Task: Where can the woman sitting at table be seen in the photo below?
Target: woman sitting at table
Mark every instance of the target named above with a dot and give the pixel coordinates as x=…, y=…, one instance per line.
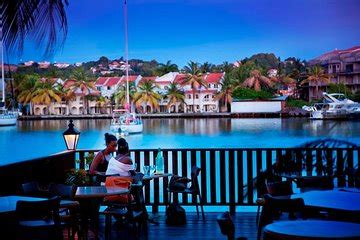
x=102, y=158
x=122, y=163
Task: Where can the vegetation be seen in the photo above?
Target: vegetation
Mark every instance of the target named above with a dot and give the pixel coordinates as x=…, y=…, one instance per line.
x=290, y=102
x=317, y=76
x=175, y=95
x=43, y=21
x=146, y=95
x=193, y=78
x=339, y=88
x=257, y=81
x=247, y=93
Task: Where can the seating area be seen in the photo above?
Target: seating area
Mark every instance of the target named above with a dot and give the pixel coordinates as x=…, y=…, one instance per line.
x=204, y=198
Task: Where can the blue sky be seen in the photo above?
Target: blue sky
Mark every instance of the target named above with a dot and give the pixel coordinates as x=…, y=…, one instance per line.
x=205, y=30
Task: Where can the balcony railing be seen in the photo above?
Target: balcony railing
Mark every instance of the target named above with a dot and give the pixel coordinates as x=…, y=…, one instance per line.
x=228, y=175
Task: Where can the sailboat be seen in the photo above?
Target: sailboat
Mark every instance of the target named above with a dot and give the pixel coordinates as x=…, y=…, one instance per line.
x=7, y=118
x=125, y=121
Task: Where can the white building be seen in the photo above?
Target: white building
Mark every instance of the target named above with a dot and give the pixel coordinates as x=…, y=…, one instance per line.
x=61, y=65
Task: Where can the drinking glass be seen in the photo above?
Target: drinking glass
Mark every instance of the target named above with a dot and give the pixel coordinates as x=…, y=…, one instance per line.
x=146, y=170
x=152, y=169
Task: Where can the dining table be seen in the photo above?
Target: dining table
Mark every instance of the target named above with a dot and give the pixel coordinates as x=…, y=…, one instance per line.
x=8, y=203
x=90, y=198
x=343, y=200
x=311, y=229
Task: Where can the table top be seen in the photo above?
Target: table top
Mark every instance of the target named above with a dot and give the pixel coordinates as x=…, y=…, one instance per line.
x=339, y=199
x=98, y=191
x=156, y=176
x=8, y=203
x=313, y=229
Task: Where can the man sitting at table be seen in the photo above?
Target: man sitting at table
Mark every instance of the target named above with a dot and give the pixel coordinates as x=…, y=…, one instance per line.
x=122, y=164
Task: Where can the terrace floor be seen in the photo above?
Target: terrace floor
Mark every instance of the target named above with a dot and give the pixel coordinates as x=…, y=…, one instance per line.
x=195, y=228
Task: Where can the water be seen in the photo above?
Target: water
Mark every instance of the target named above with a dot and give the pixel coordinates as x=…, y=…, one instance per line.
x=31, y=139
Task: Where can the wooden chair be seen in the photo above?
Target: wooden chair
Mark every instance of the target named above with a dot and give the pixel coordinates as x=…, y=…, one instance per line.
x=133, y=211
x=194, y=190
x=38, y=219
x=314, y=183
x=32, y=189
x=275, y=206
x=227, y=226
x=68, y=214
x=279, y=188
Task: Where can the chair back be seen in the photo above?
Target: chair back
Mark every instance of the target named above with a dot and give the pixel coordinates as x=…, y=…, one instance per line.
x=279, y=188
x=226, y=225
x=39, y=210
x=31, y=189
x=195, y=171
x=284, y=204
x=315, y=182
x=62, y=190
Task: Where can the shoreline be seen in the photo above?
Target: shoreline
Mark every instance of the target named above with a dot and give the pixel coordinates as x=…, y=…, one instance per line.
x=168, y=115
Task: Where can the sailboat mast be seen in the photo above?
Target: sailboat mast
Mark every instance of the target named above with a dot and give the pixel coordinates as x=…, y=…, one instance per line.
x=126, y=54
x=2, y=54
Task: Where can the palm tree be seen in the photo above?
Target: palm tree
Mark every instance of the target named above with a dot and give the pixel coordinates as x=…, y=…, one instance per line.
x=206, y=67
x=194, y=79
x=83, y=83
x=166, y=68
x=26, y=88
x=226, y=67
x=227, y=87
x=175, y=95
x=147, y=95
x=67, y=94
x=102, y=102
x=257, y=80
x=45, y=94
x=316, y=75
x=120, y=94
x=43, y=21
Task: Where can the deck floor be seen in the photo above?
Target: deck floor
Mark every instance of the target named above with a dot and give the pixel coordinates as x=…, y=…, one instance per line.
x=195, y=228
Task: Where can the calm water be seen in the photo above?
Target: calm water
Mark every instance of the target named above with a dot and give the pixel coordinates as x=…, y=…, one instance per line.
x=32, y=139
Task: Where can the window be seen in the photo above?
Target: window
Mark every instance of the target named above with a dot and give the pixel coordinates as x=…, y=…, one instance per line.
x=189, y=96
x=166, y=88
x=108, y=88
x=349, y=68
x=209, y=85
x=196, y=96
x=98, y=88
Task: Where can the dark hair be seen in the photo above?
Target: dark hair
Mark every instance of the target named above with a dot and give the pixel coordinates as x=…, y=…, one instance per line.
x=109, y=138
x=123, y=146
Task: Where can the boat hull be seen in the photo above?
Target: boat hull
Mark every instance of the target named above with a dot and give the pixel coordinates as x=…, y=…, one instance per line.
x=126, y=128
x=8, y=121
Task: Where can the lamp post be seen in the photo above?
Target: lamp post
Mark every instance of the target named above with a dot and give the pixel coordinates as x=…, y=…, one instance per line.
x=71, y=136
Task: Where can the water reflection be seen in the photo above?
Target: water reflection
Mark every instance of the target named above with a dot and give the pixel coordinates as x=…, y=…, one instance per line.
x=31, y=139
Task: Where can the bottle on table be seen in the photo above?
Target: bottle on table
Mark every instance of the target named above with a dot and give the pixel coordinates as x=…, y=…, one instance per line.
x=159, y=162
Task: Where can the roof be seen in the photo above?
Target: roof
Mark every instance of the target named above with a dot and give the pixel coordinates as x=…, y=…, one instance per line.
x=112, y=81
x=101, y=80
x=132, y=78
x=144, y=79
x=350, y=54
x=180, y=78
x=213, y=77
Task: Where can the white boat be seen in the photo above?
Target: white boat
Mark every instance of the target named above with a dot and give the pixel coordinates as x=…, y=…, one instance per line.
x=7, y=118
x=334, y=106
x=124, y=122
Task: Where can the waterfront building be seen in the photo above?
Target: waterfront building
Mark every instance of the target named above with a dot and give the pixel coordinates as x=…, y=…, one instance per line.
x=344, y=67
x=83, y=102
x=61, y=65
x=204, y=97
x=109, y=85
x=44, y=64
